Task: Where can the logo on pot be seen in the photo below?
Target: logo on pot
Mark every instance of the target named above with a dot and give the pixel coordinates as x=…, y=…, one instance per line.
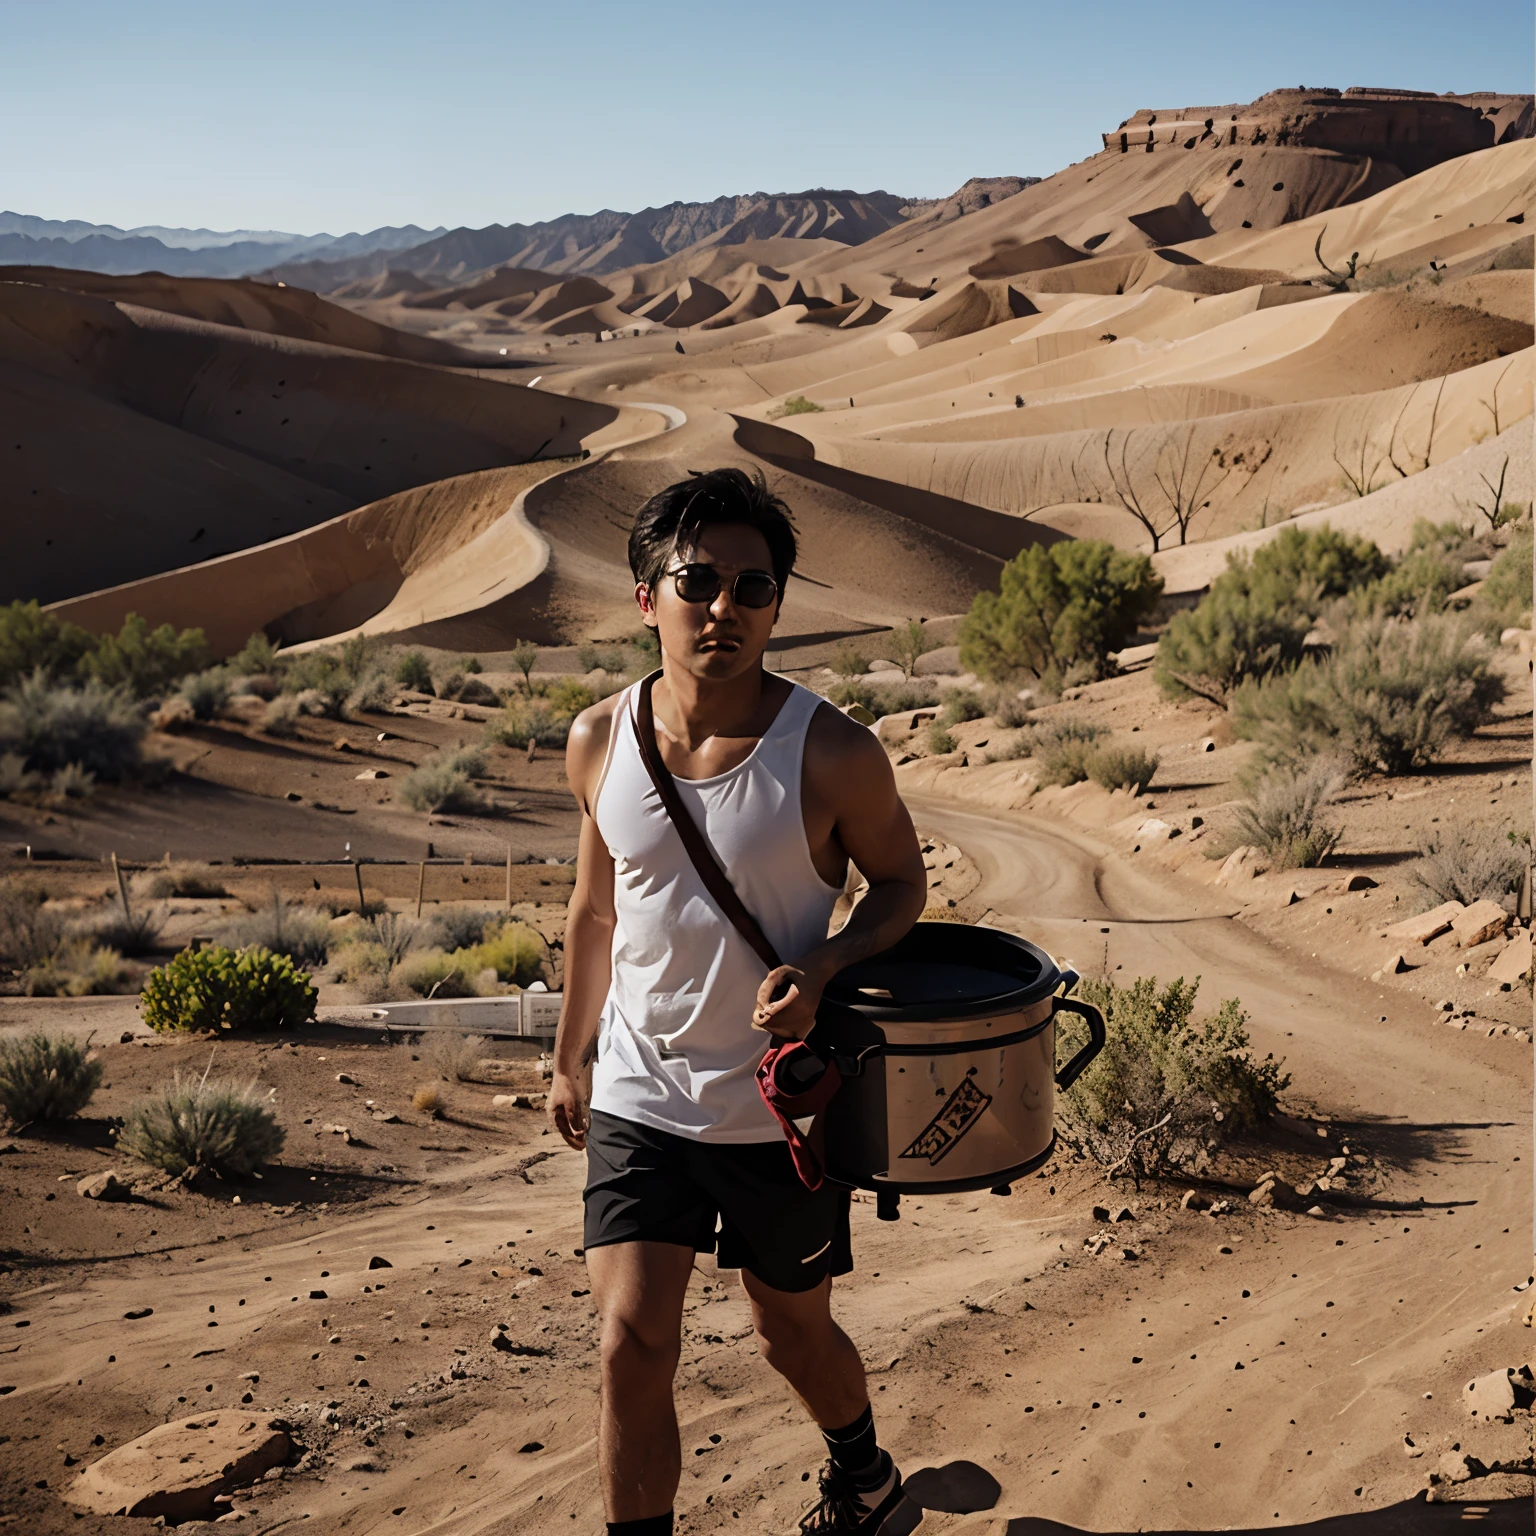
x=962, y=1109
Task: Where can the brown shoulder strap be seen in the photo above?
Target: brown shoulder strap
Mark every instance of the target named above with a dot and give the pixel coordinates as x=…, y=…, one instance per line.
x=716, y=882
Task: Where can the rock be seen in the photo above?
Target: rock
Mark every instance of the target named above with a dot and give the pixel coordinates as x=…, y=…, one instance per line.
x=1496, y=1395
x=1101, y=1213
x=318, y=1296
x=519, y=1100
x=176, y=1469
x=372, y=773
x=139, y=1312
x=293, y=794
x=1427, y=925
x=377, y=1263
x=1206, y=744
x=386, y=1117
x=1316, y=1210
x=857, y=711
x=1241, y=864
x=1193, y=1201
x=126, y=1038
x=1125, y=1213
x=1514, y=960
x=103, y=1186
x=1457, y=1467
x=1352, y=883
x=1155, y=829
x=347, y=1078
x=1394, y=965
x=1410, y=1448
x=343, y=745
x=1482, y=921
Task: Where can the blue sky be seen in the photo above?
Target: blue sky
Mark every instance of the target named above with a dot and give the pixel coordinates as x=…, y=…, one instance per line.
x=339, y=115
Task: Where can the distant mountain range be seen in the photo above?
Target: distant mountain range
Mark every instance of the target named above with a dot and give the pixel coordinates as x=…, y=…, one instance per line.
x=29, y=241
x=573, y=243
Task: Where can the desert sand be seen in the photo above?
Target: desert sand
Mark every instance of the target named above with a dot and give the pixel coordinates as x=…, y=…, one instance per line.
x=1313, y=308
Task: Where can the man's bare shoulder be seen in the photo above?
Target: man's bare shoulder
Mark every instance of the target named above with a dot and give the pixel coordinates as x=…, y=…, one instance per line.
x=837, y=744
x=587, y=745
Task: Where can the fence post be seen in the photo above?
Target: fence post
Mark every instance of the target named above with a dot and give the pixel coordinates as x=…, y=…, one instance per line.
x=122, y=885
x=421, y=885
x=357, y=869
x=509, y=877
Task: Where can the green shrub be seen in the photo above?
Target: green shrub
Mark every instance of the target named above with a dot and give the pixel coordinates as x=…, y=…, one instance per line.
x=849, y=660
x=1505, y=600
x=442, y=782
x=908, y=643
x=515, y=952
x=566, y=698
x=206, y=692
x=940, y=742
x=361, y=962
x=467, y=690
x=798, y=405
x=144, y=661
x=413, y=672
x=961, y=704
x=284, y=927
x=1255, y=619
x=374, y=693
x=256, y=658
x=1469, y=863
x=51, y=725
x=76, y=967
x=1122, y=768
x=1165, y=1092
x=220, y=988
x=1070, y=602
x=1286, y=813
x=222, y=1127
x=1389, y=697
x=601, y=658
x=323, y=681
x=434, y=973
x=45, y=1076
x=32, y=640
x=525, y=657
x=647, y=644
x=528, y=719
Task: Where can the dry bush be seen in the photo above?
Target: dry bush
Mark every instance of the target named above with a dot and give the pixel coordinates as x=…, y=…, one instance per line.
x=285, y=927
x=940, y=742
x=442, y=782
x=880, y=699
x=130, y=930
x=429, y=1099
x=453, y=1055
x=205, y=693
x=395, y=934
x=51, y=725
x=281, y=716
x=848, y=660
x=1472, y=863
x=1286, y=813
x=30, y=931
x=179, y=880
x=1009, y=708
x=45, y=1076
x=461, y=927
x=224, y=1128
x=1065, y=748
x=1165, y=1092
x=960, y=705
x=433, y=973
x=76, y=967
x=1122, y=768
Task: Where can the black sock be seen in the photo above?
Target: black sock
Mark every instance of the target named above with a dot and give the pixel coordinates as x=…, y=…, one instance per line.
x=853, y=1448
x=652, y=1525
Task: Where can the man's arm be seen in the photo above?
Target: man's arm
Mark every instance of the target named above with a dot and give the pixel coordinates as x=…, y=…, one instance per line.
x=846, y=767
x=588, y=937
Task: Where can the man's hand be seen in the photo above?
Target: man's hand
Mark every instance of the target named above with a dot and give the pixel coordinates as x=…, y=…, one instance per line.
x=567, y=1109
x=788, y=999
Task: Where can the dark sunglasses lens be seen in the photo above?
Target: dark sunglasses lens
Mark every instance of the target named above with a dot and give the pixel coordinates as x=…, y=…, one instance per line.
x=756, y=589
x=698, y=584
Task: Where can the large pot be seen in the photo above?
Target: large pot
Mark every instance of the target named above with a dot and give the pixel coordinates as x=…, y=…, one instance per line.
x=947, y=1047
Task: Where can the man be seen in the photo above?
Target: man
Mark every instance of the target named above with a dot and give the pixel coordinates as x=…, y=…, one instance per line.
x=787, y=791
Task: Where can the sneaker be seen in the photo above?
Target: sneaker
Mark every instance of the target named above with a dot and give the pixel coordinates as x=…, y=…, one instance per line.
x=844, y=1507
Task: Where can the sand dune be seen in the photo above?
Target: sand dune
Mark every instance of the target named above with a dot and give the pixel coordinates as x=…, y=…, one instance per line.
x=252, y=306
x=151, y=434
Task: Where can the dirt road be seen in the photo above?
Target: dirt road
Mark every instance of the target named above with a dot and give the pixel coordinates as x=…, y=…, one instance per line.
x=1257, y=1370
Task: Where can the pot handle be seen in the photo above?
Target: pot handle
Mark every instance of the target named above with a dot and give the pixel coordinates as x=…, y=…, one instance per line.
x=1075, y=1068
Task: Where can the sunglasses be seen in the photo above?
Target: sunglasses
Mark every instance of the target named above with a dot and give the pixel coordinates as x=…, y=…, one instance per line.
x=701, y=584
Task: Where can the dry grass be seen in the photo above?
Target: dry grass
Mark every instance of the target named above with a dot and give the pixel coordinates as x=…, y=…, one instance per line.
x=429, y=1099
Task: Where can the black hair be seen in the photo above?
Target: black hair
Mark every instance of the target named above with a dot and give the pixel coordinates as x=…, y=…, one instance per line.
x=673, y=519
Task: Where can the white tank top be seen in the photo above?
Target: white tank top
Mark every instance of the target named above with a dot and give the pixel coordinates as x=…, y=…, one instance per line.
x=676, y=1049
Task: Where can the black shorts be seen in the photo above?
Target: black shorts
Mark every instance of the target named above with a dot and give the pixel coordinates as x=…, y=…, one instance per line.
x=648, y=1186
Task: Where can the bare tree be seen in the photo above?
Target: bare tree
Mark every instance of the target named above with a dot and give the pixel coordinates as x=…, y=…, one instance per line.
x=1493, y=508
x=1181, y=477
x=1360, y=470
x=1492, y=406
x=1338, y=281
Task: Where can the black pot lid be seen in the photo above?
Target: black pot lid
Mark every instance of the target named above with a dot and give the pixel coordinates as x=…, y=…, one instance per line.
x=944, y=971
